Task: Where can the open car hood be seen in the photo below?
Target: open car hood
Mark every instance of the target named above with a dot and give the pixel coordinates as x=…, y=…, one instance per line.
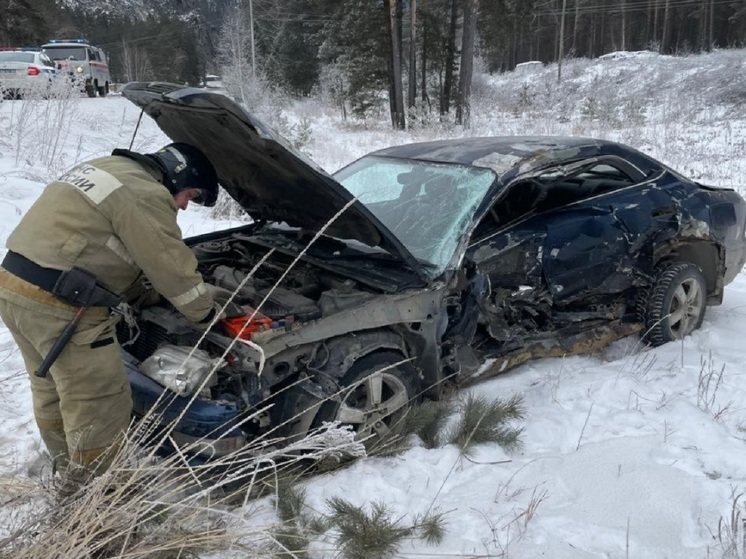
x=258, y=168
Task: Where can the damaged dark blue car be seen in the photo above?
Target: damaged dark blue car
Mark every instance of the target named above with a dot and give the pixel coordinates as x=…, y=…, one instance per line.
x=434, y=257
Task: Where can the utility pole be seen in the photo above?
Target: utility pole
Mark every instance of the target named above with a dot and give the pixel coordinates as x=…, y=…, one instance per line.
x=711, y=36
x=412, y=53
x=561, y=41
x=466, y=69
x=239, y=48
x=253, y=48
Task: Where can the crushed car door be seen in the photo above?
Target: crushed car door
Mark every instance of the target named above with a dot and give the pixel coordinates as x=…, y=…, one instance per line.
x=582, y=252
x=512, y=259
x=508, y=241
x=507, y=245
x=589, y=248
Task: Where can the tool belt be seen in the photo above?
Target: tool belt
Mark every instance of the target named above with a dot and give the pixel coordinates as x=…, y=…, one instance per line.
x=75, y=287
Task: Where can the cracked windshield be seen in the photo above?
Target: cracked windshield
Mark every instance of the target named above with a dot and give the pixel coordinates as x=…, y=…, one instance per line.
x=426, y=205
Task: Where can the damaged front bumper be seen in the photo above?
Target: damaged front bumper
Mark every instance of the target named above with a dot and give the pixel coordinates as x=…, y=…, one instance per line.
x=207, y=429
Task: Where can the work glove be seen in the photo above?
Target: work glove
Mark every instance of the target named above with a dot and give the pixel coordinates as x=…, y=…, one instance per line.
x=222, y=297
x=212, y=317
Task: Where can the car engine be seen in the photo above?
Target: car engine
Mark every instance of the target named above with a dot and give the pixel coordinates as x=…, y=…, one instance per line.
x=262, y=309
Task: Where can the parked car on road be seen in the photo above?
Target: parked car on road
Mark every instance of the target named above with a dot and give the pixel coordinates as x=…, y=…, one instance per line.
x=435, y=257
x=25, y=71
x=212, y=81
x=84, y=65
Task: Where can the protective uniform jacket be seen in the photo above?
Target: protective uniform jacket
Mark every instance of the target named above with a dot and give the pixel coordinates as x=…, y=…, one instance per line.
x=112, y=217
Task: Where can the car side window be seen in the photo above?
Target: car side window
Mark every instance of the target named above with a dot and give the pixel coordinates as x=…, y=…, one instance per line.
x=561, y=189
x=603, y=178
x=552, y=189
x=520, y=199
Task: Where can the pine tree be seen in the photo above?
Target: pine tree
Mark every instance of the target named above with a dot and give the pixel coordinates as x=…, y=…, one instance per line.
x=355, y=45
x=24, y=22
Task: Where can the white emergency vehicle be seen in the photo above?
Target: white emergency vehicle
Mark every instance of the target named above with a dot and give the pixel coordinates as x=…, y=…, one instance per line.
x=85, y=66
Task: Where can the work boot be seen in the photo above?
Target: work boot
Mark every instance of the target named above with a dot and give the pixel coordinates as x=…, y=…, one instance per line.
x=73, y=480
x=56, y=444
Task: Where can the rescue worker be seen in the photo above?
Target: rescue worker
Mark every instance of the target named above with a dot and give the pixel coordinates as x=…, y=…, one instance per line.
x=115, y=218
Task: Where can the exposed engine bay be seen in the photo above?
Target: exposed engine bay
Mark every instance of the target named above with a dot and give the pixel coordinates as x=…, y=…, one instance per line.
x=227, y=364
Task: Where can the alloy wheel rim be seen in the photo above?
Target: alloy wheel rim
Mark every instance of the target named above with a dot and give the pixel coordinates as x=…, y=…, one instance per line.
x=685, y=308
x=374, y=404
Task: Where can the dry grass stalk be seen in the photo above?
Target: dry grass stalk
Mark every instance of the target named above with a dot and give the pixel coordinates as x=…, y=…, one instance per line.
x=731, y=530
x=144, y=508
x=511, y=527
x=708, y=383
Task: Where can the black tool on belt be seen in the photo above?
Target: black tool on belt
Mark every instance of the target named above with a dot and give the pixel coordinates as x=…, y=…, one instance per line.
x=75, y=287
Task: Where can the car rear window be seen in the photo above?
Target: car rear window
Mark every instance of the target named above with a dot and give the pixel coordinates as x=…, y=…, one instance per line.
x=17, y=57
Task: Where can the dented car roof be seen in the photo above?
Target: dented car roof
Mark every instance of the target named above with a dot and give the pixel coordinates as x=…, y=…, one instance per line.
x=511, y=156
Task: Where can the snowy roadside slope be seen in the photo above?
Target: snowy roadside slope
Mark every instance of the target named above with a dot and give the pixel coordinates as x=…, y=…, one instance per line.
x=620, y=449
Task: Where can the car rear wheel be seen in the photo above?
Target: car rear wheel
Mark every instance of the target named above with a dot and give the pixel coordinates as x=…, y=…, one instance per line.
x=675, y=305
x=102, y=91
x=375, y=396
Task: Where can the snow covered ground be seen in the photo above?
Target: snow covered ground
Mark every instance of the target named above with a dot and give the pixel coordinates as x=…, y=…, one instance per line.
x=632, y=452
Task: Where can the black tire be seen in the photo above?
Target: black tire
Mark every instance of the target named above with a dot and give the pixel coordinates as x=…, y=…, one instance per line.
x=376, y=393
x=90, y=90
x=675, y=304
x=102, y=91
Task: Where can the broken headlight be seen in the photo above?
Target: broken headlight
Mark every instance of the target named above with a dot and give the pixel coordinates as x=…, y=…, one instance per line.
x=182, y=370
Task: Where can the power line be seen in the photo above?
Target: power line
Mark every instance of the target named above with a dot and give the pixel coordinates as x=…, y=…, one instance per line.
x=282, y=17
x=299, y=18
x=632, y=6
